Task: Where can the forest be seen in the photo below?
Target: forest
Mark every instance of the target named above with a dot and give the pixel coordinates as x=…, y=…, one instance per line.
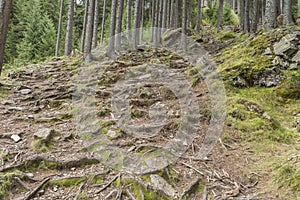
x=149, y=99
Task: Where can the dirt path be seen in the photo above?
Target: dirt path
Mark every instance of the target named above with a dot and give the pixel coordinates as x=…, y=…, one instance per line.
x=39, y=97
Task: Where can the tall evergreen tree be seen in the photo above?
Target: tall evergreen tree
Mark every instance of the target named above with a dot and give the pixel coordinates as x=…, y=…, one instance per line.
x=5, y=9
x=69, y=32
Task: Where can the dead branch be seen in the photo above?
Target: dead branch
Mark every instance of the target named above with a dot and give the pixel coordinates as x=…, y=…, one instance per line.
x=21, y=183
x=109, y=183
x=190, y=188
x=189, y=166
x=33, y=192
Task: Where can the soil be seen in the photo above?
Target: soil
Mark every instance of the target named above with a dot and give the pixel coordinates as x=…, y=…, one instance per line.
x=67, y=169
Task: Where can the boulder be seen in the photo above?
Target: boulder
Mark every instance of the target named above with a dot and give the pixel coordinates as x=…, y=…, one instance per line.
x=280, y=62
x=296, y=58
x=161, y=183
x=287, y=46
x=44, y=134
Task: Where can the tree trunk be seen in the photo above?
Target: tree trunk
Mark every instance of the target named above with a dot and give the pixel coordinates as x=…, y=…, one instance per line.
x=89, y=30
x=59, y=27
x=288, y=16
x=220, y=14
x=142, y=10
x=184, y=25
x=69, y=32
x=103, y=22
x=128, y=20
x=256, y=16
x=239, y=8
x=5, y=10
x=172, y=17
x=136, y=23
x=176, y=23
x=199, y=17
x=270, y=14
x=156, y=29
x=164, y=15
x=233, y=5
x=246, y=17
x=84, y=25
x=152, y=20
x=189, y=14
x=96, y=23
x=119, y=24
x=111, y=41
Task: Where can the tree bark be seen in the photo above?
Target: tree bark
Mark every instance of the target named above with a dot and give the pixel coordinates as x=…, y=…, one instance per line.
x=152, y=19
x=96, y=23
x=176, y=23
x=199, y=17
x=59, y=27
x=184, y=25
x=288, y=16
x=164, y=15
x=69, y=32
x=128, y=20
x=136, y=23
x=5, y=10
x=256, y=16
x=119, y=24
x=189, y=14
x=172, y=17
x=103, y=22
x=84, y=25
x=89, y=30
x=156, y=29
x=141, y=25
x=246, y=17
x=270, y=14
x=220, y=14
x=111, y=41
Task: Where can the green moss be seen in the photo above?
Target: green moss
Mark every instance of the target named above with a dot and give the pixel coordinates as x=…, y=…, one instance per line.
x=5, y=183
x=68, y=182
x=288, y=176
x=290, y=88
x=65, y=116
x=41, y=146
x=227, y=35
x=148, y=194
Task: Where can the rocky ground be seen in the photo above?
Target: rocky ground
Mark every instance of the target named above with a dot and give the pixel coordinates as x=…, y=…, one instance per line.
x=43, y=156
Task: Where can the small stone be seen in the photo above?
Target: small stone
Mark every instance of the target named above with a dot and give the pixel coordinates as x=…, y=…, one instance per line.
x=73, y=168
x=55, y=189
x=30, y=175
x=268, y=51
x=296, y=57
x=30, y=117
x=131, y=149
x=113, y=134
x=44, y=134
x=15, y=138
x=25, y=91
x=16, y=108
x=266, y=116
x=5, y=102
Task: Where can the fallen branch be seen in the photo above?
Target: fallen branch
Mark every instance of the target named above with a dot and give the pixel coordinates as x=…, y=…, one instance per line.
x=189, y=166
x=57, y=164
x=79, y=190
x=109, y=183
x=190, y=188
x=20, y=182
x=33, y=192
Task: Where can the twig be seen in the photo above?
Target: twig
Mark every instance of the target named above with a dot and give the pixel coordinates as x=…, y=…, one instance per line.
x=190, y=188
x=33, y=192
x=142, y=194
x=18, y=180
x=130, y=195
x=196, y=170
x=79, y=190
x=109, y=183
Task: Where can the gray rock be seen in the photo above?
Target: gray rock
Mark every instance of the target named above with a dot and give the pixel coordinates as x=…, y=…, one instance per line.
x=15, y=138
x=266, y=116
x=25, y=91
x=293, y=66
x=278, y=61
x=113, y=134
x=44, y=134
x=16, y=108
x=268, y=52
x=162, y=184
x=296, y=58
x=287, y=46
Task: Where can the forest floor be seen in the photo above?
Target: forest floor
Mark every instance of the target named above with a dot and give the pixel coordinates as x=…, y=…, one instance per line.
x=39, y=98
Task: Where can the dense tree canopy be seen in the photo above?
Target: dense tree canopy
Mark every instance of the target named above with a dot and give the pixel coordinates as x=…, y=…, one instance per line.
x=38, y=26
